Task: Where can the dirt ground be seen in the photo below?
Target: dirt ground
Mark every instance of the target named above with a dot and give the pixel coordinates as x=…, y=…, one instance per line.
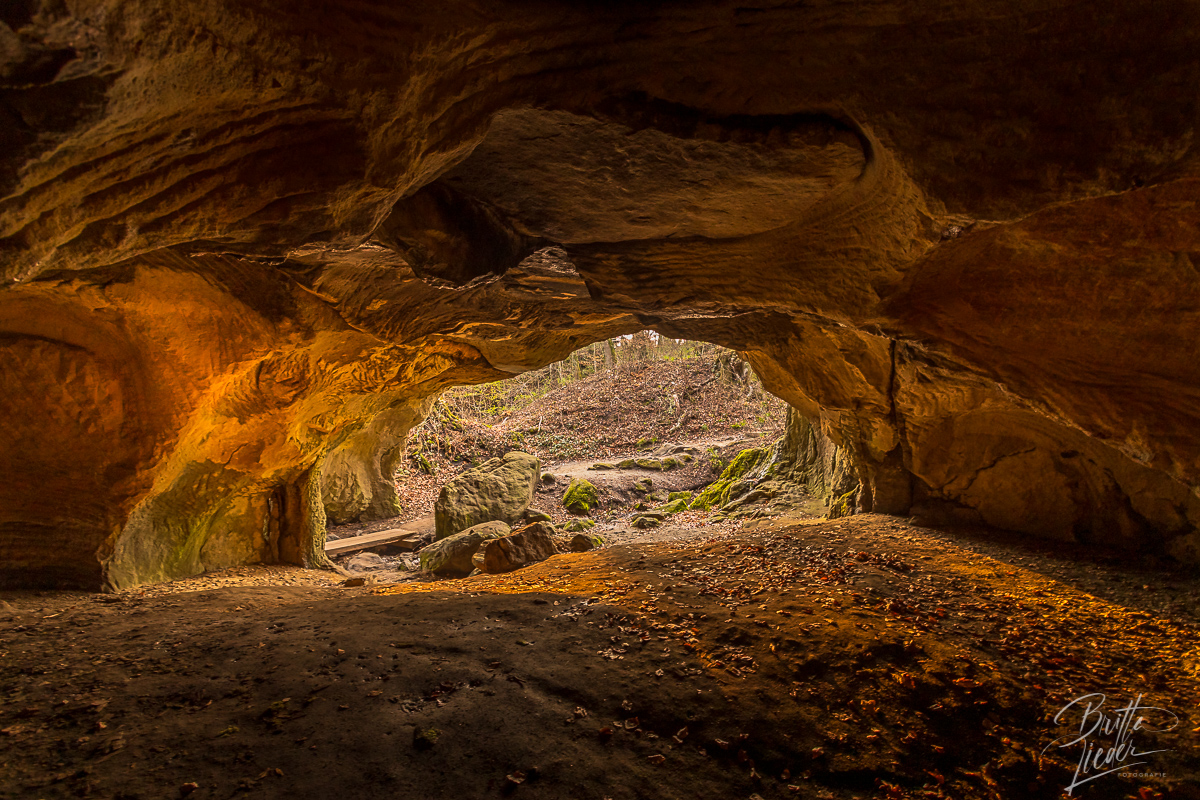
x=620, y=493
x=858, y=658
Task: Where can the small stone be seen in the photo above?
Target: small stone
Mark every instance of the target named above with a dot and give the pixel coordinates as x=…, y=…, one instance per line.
x=583, y=542
x=578, y=525
x=354, y=582
x=425, y=739
x=365, y=561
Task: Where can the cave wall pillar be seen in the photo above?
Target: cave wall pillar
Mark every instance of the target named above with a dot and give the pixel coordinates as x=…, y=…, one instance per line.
x=302, y=521
x=357, y=479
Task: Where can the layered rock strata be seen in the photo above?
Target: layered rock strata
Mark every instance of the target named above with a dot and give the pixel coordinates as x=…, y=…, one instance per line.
x=242, y=240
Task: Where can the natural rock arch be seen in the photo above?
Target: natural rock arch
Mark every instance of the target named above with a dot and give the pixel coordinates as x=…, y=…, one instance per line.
x=232, y=235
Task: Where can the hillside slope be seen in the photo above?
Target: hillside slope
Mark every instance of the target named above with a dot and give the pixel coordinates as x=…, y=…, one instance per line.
x=611, y=414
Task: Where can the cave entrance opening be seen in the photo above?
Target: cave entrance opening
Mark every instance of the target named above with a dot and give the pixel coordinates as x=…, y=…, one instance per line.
x=625, y=436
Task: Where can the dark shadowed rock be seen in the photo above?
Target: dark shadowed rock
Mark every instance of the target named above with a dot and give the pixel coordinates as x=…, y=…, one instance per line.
x=582, y=542
x=526, y=546
x=452, y=555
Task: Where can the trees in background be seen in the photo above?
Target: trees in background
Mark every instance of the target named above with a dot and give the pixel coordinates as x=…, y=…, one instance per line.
x=625, y=353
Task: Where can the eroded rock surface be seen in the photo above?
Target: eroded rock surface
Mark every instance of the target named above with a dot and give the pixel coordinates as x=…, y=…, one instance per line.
x=524, y=546
x=243, y=241
x=498, y=489
x=453, y=554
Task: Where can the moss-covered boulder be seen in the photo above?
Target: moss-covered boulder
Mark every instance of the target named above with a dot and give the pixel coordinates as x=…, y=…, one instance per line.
x=737, y=489
x=649, y=463
x=583, y=542
x=681, y=496
x=647, y=519
x=578, y=525
x=601, y=465
x=674, y=507
x=498, y=489
x=733, y=480
x=452, y=555
x=644, y=486
x=580, y=497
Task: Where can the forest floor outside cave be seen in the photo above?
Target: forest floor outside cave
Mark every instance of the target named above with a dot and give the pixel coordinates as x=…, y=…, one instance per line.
x=684, y=393
x=862, y=657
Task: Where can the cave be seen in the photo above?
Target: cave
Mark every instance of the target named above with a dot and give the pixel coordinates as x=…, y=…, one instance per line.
x=244, y=246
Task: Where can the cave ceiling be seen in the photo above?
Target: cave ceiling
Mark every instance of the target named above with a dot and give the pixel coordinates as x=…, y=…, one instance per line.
x=236, y=237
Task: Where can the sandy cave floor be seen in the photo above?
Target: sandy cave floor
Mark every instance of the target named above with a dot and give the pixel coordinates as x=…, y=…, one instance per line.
x=863, y=657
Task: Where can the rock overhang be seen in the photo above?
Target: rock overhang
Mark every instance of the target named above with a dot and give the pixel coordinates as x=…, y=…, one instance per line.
x=253, y=235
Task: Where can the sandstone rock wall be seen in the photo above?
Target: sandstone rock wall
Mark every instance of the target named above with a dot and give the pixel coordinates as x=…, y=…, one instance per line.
x=358, y=478
x=963, y=239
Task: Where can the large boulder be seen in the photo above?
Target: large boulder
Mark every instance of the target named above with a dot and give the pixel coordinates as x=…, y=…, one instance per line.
x=526, y=546
x=498, y=489
x=452, y=555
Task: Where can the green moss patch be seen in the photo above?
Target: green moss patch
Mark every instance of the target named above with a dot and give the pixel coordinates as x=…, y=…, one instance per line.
x=843, y=506
x=717, y=493
x=580, y=496
x=674, y=507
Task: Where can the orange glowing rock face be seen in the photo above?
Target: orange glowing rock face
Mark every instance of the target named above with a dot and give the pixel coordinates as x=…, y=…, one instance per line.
x=979, y=284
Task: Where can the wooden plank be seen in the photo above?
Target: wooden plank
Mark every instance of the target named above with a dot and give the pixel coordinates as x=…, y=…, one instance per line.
x=337, y=547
